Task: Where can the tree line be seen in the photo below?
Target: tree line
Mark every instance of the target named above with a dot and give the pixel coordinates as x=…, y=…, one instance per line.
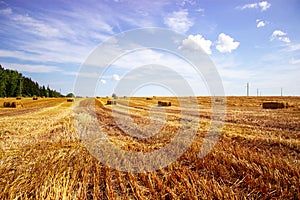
x=13, y=84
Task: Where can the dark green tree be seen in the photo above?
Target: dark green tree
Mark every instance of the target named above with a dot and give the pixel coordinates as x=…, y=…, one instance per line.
x=70, y=95
x=13, y=84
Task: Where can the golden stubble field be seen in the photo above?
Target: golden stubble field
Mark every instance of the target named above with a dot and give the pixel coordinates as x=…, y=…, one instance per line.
x=256, y=157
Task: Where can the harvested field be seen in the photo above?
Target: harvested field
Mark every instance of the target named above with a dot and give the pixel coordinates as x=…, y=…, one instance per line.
x=256, y=157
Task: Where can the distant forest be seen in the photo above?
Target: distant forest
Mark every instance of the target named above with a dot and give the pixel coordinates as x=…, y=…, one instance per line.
x=13, y=84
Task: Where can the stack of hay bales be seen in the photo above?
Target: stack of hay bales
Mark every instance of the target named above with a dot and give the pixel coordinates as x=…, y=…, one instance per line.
x=148, y=98
x=111, y=102
x=70, y=100
x=273, y=105
x=14, y=104
x=164, y=103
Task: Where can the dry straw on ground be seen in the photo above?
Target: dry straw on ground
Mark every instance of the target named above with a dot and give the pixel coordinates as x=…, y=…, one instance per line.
x=257, y=156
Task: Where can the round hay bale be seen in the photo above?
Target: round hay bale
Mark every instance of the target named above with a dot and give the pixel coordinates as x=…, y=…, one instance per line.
x=15, y=104
x=6, y=104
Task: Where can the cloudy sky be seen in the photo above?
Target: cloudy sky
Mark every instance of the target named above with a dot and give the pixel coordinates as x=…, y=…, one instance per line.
x=248, y=41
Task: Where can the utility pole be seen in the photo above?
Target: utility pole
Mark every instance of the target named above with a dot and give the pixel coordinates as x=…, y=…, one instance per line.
x=257, y=91
x=247, y=89
x=281, y=91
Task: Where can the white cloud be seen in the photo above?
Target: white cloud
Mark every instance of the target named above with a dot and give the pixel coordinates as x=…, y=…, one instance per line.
x=6, y=11
x=31, y=68
x=30, y=25
x=280, y=35
x=64, y=40
x=103, y=81
x=185, y=2
x=263, y=5
x=292, y=48
x=284, y=39
x=226, y=43
x=196, y=42
x=82, y=74
x=252, y=5
x=116, y=77
x=200, y=10
x=179, y=21
x=260, y=23
x=145, y=57
x=294, y=61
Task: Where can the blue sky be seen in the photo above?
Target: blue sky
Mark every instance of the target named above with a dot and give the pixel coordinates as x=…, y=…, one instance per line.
x=248, y=41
